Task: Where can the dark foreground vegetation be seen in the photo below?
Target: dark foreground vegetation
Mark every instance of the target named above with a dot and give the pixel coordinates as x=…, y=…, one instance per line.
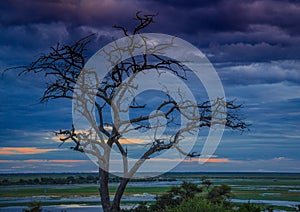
x=193, y=197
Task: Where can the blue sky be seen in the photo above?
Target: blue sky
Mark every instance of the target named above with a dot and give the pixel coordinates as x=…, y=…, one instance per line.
x=253, y=45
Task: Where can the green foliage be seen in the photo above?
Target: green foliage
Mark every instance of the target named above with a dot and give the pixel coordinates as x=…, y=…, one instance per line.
x=188, y=190
x=188, y=197
x=204, y=205
x=249, y=207
x=176, y=195
x=206, y=182
x=197, y=204
x=219, y=194
x=165, y=200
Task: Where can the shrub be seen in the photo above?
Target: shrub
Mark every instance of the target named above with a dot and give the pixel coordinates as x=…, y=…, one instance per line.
x=197, y=204
x=249, y=207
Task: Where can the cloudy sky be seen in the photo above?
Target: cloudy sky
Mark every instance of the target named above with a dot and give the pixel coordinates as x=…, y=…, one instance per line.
x=254, y=46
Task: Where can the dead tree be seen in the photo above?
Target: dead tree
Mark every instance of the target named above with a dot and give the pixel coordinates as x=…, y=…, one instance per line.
x=63, y=66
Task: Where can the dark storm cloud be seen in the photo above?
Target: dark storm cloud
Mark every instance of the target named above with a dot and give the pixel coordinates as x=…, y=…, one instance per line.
x=230, y=15
x=216, y=16
x=237, y=31
x=247, y=35
x=183, y=3
x=262, y=30
x=31, y=27
x=79, y=12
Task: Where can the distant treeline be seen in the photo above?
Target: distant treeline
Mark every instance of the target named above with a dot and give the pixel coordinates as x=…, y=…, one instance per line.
x=77, y=179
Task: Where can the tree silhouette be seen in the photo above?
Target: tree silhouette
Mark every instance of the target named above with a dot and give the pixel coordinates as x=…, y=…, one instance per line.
x=63, y=66
x=175, y=196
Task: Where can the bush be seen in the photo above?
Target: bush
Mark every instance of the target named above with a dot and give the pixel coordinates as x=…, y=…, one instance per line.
x=175, y=196
x=249, y=207
x=219, y=194
x=197, y=204
x=188, y=197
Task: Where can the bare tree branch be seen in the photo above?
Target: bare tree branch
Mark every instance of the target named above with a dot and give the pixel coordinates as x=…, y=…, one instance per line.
x=62, y=67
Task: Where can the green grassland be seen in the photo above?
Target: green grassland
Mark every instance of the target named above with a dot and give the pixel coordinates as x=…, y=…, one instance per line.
x=78, y=192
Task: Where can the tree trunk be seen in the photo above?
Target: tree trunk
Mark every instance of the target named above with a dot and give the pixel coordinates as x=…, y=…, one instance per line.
x=115, y=207
x=104, y=193
x=103, y=190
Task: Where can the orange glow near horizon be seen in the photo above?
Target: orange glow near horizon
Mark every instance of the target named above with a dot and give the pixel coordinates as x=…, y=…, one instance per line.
x=134, y=141
x=23, y=150
x=214, y=160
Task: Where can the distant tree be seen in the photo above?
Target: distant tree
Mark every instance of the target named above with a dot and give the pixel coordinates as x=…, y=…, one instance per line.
x=21, y=181
x=175, y=196
x=63, y=65
x=36, y=181
x=219, y=194
x=186, y=190
x=206, y=182
x=5, y=182
x=70, y=179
